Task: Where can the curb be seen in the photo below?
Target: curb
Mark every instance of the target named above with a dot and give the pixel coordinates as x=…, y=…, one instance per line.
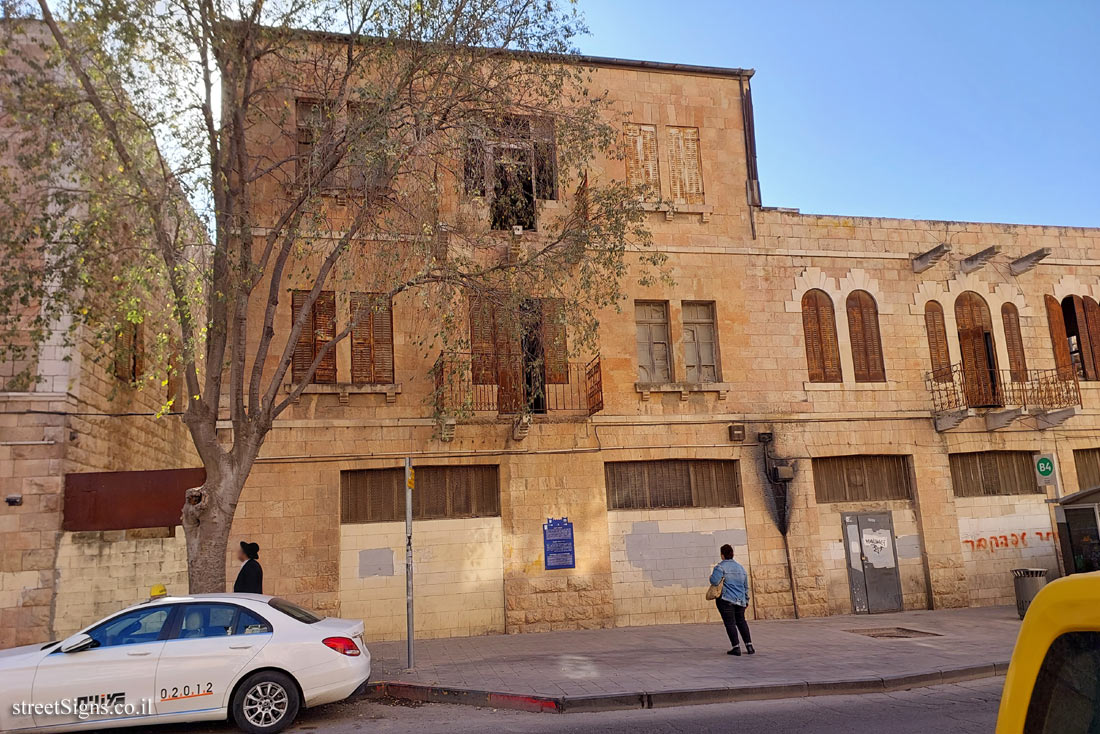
x=676, y=697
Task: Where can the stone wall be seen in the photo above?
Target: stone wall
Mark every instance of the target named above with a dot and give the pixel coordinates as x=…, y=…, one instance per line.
x=100, y=572
x=911, y=572
x=1000, y=534
x=458, y=579
x=661, y=561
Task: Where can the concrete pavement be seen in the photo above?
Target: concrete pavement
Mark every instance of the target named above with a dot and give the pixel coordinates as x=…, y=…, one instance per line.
x=652, y=667
x=960, y=708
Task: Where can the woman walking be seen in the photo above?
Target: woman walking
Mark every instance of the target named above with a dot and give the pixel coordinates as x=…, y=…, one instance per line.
x=733, y=599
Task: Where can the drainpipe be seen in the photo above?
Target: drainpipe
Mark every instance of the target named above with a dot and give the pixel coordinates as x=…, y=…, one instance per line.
x=779, y=473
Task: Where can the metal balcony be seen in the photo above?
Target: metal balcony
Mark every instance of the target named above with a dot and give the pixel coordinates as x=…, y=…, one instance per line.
x=468, y=385
x=1050, y=395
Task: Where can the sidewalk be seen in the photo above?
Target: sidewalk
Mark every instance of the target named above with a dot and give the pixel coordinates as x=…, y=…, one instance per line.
x=669, y=665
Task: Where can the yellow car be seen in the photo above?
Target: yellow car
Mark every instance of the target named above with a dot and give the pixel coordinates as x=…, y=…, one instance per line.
x=1053, y=681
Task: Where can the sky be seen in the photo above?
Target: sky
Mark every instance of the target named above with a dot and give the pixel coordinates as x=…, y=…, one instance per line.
x=975, y=110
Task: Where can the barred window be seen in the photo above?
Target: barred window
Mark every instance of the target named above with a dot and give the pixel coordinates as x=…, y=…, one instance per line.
x=862, y=478
x=643, y=485
x=992, y=473
x=442, y=492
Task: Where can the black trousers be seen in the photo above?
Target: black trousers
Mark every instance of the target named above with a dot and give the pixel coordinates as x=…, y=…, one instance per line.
x=733, y=617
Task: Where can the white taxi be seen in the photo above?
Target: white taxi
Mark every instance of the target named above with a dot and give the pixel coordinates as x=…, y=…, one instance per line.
x=254, y=658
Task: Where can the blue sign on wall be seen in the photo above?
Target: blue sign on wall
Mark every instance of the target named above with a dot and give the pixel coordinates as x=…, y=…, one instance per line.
x=557, y=540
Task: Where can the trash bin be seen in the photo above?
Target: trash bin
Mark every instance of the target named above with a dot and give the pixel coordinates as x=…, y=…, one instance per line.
x=1027, y=581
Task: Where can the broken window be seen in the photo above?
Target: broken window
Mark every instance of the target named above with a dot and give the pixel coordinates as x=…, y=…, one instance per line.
x=515, y=163
x=651, y=319
x=700, y=342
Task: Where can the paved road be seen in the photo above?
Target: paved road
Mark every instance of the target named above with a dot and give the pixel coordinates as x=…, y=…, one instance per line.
x=961, y=708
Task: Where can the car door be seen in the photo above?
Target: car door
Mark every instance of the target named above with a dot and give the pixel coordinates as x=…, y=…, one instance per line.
x=112, y=679
x=209, y=645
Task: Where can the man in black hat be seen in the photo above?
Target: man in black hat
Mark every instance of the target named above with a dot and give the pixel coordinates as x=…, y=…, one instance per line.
x=250, y=579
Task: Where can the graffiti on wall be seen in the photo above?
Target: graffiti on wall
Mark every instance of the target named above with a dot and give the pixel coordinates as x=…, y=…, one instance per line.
x=993, y=543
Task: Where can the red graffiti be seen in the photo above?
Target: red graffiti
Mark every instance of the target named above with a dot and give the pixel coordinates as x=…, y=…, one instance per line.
x=1014, y=540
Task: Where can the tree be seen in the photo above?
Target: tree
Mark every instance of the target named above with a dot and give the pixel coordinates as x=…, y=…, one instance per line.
x=316, y=142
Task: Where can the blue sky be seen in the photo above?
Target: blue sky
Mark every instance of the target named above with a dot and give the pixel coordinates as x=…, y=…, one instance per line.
x=968, y=110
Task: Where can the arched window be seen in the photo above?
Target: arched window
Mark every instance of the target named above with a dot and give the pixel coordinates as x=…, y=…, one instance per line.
x=866, y=341
x=1081, y=327
x=937, y=341
x=981, y=381
x=1014, y=341
x=1059, y=340
x=819, y=325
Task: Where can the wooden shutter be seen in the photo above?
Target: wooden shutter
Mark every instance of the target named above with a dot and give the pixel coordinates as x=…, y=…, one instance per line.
x=1088, y=362
x=686, y=177
x=554, y=346
x=1092, y=319
x=819, y=327
x=937, y=341
x=1063, y=360
x=324, y=331
x=1014, y=341
x=511, y=394
x=641, y=158
x=303, y=349
x=371, y=340
x=866, y=340
x=1087, y=462
x=482, y=341
x=974, y=322
x=862, y=478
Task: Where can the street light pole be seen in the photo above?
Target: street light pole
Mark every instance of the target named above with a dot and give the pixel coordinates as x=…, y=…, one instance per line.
x=410, y=481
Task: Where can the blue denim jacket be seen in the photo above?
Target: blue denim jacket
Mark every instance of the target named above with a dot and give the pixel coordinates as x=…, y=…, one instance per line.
x=735, y=588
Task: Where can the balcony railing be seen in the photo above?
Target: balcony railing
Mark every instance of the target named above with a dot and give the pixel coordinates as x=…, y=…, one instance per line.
x=467, y=384
x=956, y=389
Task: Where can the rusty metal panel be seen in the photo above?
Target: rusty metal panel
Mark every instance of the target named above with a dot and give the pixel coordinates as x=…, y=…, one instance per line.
x=127, y=499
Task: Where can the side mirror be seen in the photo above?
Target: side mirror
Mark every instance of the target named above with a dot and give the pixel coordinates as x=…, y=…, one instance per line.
x=76, y=643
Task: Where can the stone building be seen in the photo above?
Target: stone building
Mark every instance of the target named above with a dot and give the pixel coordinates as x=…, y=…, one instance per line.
x=908, y=372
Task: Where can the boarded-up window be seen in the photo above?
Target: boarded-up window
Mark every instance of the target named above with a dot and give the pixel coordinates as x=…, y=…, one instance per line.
x=992, y=473
x=371, y=339
x=442, y=492
x=862, y=478
x=866, y=340
x=819, y=326
x=937, y=341
x=684, y=165
x=129, y=351
x=700, y=342
x=1063, y=360
x=1087, y=462
x=1014, y=341
x=654, y=364
x=641, y=158
x=319, y=329
x=642, y=485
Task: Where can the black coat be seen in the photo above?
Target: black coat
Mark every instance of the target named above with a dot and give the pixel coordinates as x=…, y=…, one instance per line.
x=250, y=580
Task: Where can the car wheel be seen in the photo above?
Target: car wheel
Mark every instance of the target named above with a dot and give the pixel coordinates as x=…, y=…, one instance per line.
x=265, y=703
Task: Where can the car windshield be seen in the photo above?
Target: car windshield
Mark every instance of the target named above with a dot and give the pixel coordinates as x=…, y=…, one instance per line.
x=294, y=611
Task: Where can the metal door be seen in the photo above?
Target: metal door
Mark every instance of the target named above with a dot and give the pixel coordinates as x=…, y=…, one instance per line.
x=872, y=562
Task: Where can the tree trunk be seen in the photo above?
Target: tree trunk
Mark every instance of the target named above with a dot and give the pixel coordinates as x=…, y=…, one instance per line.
x=206, y=524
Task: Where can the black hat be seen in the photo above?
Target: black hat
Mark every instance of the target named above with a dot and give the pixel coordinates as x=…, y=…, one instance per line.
x=252, y=550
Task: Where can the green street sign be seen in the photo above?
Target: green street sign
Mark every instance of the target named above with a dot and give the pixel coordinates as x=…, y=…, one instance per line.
x=1044, y=469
